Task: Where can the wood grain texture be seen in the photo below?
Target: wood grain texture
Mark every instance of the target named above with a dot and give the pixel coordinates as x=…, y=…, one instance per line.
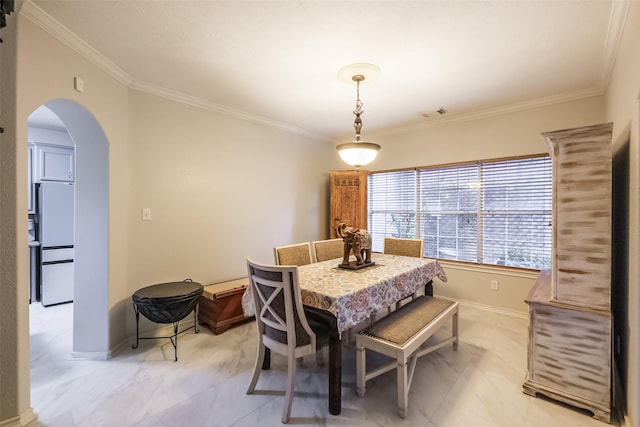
x=572, y=351
x=581, y=270
x=570, y=357
x=569, y=352
x=348, y=199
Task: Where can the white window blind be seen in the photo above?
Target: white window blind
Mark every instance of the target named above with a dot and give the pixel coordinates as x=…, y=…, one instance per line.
x=494, y=212
x=449, y=212
x=392, y=206
x=516, y=212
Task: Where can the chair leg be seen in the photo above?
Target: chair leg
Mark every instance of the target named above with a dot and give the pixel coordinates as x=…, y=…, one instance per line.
x=288, y=397
x=257, y=368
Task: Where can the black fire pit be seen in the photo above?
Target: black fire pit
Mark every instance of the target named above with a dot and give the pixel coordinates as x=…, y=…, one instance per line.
x=168, y=303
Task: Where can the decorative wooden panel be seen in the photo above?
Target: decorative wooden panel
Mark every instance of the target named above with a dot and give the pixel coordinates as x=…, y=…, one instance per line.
x=348, y=199
x=581, y=271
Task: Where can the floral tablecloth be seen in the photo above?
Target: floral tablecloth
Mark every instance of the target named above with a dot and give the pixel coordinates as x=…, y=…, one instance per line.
x=354, y=295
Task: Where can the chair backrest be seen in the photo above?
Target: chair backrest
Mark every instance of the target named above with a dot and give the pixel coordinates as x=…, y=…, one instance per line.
x=298, y=254
x=406, y=247
x=328, y=249
x=282, y=324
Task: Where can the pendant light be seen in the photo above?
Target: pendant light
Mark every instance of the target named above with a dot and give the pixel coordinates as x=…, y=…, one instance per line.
x=358, y=153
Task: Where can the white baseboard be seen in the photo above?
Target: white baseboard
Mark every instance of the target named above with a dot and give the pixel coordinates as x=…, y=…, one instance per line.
x=162, y=331
x=21, y=420
x=90, y=355
x=498, y=310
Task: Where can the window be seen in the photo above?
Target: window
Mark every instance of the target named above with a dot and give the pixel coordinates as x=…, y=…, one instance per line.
x=495, y=212
x=392, y=206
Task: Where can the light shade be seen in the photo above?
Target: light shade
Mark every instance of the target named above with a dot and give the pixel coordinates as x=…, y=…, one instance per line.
x=358, y=154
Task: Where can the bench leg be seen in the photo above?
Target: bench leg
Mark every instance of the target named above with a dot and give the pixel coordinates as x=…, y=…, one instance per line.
x=403, y=388
x=361, y=369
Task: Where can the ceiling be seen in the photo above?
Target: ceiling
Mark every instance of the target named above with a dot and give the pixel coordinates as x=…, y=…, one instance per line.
x=277, y=62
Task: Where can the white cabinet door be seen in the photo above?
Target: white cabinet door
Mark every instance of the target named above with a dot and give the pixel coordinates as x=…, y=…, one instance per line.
x=55, y=163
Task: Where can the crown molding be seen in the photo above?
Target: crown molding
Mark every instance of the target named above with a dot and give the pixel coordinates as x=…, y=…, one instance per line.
x=497, y=111
x=173, y=95
x=45, y=21
x=615, y=30
x=617, y=19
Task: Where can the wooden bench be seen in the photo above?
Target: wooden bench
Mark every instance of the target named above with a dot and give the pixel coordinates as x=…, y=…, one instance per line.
x=221, y=304
x=402, y=335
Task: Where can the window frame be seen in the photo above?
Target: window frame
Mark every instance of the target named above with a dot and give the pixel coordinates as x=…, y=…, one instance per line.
x=541, y=259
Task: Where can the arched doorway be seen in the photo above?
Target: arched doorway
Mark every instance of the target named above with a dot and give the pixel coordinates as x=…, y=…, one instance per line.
x=91, y=302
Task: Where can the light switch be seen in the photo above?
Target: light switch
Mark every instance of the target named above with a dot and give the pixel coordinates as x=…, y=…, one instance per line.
x=146, y=214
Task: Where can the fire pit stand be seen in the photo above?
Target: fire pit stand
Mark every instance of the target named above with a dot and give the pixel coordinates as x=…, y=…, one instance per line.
x=167, y=303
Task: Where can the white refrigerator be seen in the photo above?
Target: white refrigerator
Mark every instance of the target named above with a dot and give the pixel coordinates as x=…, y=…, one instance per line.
x=55, y=211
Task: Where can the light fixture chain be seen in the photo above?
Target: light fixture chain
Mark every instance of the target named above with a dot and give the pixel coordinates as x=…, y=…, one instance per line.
x=358, y=153
x=357, y=124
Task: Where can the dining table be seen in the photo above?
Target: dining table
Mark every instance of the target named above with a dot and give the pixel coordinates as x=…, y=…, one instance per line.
x=344, y=298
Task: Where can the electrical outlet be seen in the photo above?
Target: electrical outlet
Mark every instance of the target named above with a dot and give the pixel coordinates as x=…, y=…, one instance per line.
x=146, y=214
x=494, y=285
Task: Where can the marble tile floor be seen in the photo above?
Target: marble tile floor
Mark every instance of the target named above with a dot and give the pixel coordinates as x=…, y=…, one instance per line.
x=479, y=385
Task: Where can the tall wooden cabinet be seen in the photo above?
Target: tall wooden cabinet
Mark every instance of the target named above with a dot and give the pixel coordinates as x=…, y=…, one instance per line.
x=347, y=199
x=570, y=320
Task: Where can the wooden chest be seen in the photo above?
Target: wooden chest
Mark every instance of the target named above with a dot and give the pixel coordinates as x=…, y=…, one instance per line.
x=221, y=304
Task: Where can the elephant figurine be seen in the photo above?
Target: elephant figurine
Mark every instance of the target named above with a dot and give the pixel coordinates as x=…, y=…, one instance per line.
x=357, y=241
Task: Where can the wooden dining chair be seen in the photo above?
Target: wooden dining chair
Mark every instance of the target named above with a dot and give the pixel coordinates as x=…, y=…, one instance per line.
x=283, y=326
x=327, y=249
x=298, y=254
x=404, y=247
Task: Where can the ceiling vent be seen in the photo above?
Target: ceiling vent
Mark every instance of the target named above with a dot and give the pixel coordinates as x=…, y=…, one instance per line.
x=439, y=112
